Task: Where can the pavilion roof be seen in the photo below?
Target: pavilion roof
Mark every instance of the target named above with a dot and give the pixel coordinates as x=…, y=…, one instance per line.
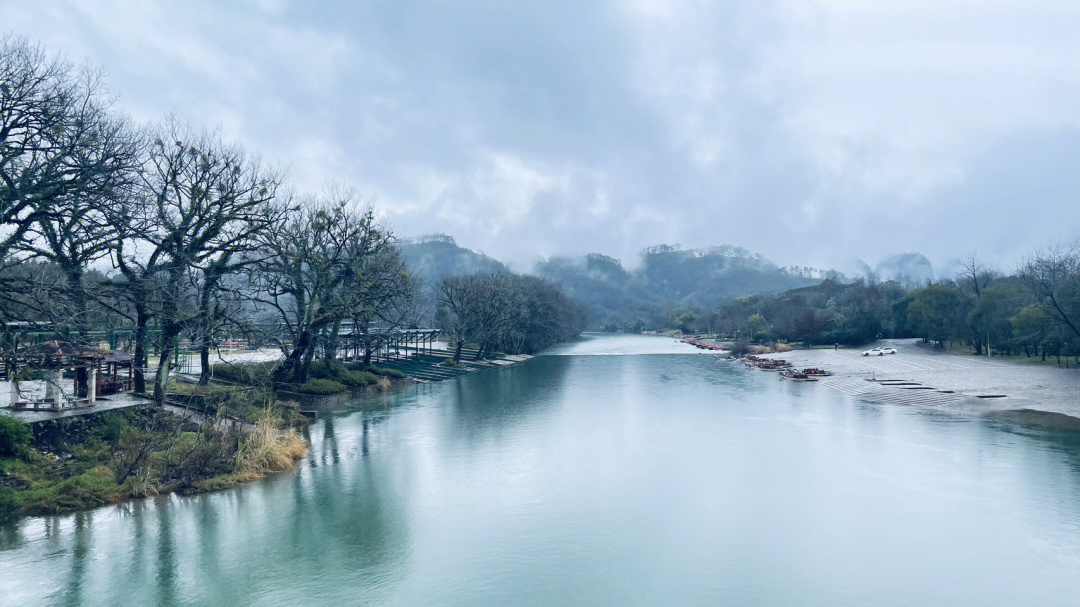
x=59, y=353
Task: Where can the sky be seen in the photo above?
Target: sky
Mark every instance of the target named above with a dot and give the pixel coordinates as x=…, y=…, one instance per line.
x=812, y=132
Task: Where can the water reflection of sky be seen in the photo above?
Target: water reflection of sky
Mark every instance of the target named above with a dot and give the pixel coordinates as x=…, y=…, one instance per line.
x=600, y=480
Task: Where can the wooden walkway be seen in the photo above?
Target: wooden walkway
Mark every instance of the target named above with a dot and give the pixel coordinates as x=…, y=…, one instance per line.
x=104, y=403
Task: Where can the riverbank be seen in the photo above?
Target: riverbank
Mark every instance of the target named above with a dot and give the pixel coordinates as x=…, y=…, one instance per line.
x=69, y=464
x=588, y=476
x=210, y=437
x=921, y=374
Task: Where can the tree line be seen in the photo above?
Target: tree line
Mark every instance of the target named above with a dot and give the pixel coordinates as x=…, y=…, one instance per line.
x=1034, y=311
x=505, y=312
x=172, y=233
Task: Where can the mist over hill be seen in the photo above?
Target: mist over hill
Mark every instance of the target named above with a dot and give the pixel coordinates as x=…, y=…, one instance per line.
x=906, y=268
x=670, y=277
x=434, y=257
x=666, y=277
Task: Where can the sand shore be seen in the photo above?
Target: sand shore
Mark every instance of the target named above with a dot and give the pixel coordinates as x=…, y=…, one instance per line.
x=944, y=379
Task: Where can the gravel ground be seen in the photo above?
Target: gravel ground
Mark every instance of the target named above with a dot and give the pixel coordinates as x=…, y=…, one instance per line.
x=956, y=380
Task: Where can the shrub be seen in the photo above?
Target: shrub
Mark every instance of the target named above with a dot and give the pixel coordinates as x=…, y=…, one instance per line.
x=266, y=449
x=740, y=348
x=248, y=374
x=327, y=369
x=10, y=503
x=391, y=373
x=335, y=370
x=14, y=437
x=320, y=387
x=361, y=378
x=111, y=426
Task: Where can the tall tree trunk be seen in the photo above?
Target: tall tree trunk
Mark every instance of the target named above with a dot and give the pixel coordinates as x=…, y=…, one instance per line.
x=170, y=333
x=305, y=364
x=367, y=348
x=331, y=341
x=140, y=359
x=162, y=375
x=78, y=301
x=205, y=329
x=79, y=320
x=457, y=350
x=294, y=363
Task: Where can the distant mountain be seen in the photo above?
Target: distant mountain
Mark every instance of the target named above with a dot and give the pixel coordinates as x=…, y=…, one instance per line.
x=906, y=268
x=604, y=285
x=711, y=276
x=434, y=257
x=671, y=276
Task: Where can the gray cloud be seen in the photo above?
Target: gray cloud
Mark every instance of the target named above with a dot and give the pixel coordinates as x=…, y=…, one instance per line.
x=811, y=132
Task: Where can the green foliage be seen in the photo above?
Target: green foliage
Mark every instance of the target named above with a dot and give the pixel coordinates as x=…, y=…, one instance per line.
x=335, y=370
x=155, y=453
x=830, y=312
x=321, y=387
x=935, y=312
x=245, y=373
x=685, y=321
x=14, y=437
x=10, y=503
x=391, y=373
x=111, y=426
x=758, y=326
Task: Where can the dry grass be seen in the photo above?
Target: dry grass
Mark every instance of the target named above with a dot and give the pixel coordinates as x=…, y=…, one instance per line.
x=266, y=449
x=775, y=347
x=383, y=384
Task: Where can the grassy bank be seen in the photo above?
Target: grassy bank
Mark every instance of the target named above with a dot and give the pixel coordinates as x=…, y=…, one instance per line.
x=325, y=377
x=83, y=462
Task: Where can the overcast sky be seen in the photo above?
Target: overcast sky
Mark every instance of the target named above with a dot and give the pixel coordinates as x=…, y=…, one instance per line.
x=812, y=132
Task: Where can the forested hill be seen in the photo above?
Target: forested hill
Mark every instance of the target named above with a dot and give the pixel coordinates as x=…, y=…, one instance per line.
x=612, y=294
x=668, y=277
x=437, y=256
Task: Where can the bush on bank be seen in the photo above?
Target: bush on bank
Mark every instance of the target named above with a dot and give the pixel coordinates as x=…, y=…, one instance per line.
x=14, y=437
x=351, y=375
x=321, y=387
x=133, y=453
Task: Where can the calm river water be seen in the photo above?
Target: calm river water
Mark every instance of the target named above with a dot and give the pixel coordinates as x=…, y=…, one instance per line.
x=670, y=478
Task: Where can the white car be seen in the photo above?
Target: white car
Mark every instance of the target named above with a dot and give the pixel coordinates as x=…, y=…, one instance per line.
x=880, y=351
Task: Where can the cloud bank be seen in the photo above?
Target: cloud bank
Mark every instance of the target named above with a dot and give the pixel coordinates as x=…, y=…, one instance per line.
x=813, y=132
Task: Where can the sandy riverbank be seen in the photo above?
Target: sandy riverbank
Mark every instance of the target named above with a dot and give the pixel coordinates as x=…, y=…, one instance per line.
x=945, y=379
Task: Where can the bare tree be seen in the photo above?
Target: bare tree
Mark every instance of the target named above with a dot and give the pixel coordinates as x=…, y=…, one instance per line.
x=198, y=201
x=971, y=282
x=1054, y=280
x=62, y=154
x=456, y=310
x=313, y=271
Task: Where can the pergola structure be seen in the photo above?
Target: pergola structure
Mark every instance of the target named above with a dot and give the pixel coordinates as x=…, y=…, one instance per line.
x=386, y=344
x=95, y=371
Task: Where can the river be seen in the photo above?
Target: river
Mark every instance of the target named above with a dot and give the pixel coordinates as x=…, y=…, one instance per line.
x=620, y=470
